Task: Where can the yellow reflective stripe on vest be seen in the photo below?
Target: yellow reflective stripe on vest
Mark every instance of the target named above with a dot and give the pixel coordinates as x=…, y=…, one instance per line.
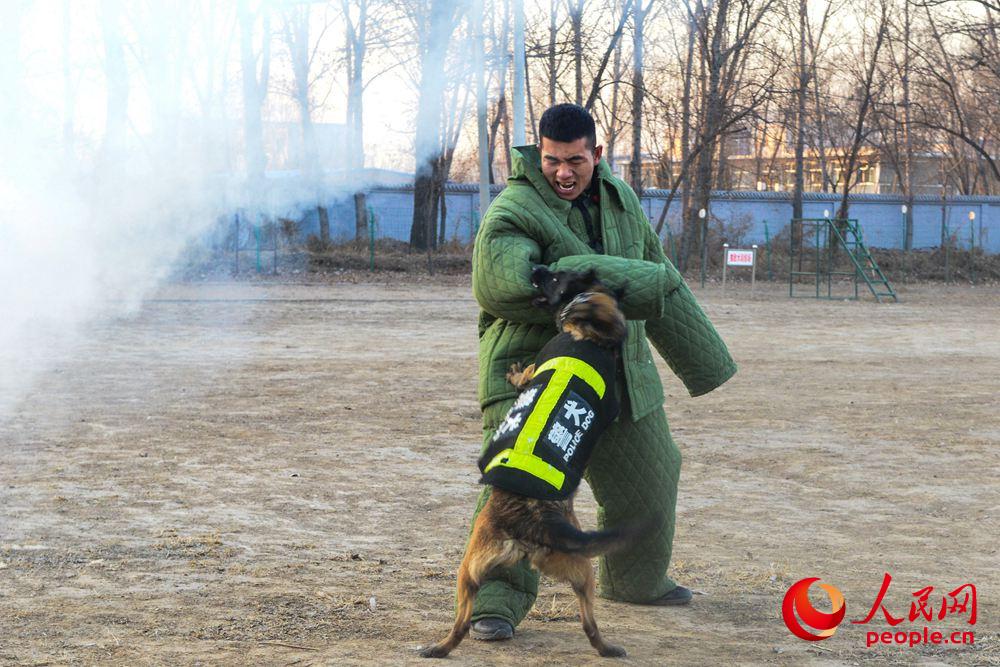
x=529, y=463
x=577, y=367
x=522, y=455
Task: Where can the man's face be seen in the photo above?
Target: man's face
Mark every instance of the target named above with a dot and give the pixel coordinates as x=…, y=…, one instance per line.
x=569, y=166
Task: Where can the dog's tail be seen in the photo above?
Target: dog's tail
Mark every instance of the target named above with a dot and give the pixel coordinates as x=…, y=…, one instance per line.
x=567, y=538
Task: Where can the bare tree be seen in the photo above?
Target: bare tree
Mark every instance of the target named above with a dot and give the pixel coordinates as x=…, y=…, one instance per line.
x=610, y=120
x=575, y=10
x=455, y=114
x=867, y=87
x=727, y=31
x=817, y=139
x=801, y=94
x=116, y=72
x=954, y=84
x=302, y=52
x=553, y=34
x=256, y=67
x=370, y=27
x=209, y=78
x=638, y=89
x=355, y=15
x=688, y=153
x=614, y=47
x=501, y=65
x=435, y=25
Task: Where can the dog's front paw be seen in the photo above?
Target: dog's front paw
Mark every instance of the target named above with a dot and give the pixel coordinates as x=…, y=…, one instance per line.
x=436, y=651
x=612, y=651
x=520, y=377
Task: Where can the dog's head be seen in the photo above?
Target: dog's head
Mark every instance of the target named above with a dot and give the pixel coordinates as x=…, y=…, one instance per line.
x=560, y=287
x=582, y=304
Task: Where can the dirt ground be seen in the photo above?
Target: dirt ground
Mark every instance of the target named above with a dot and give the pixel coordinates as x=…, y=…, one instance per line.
x=283, y=474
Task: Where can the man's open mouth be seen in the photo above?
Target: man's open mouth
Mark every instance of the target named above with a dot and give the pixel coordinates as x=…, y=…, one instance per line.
x=566, y=187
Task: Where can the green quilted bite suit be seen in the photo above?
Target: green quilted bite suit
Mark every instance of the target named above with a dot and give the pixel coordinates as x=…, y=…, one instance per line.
x=635, y=466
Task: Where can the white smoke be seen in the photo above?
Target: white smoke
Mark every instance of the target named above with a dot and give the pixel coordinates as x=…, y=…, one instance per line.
x=121, y=141
x=88, y=225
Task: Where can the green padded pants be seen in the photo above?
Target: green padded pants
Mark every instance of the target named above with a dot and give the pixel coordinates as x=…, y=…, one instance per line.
x=633, y=473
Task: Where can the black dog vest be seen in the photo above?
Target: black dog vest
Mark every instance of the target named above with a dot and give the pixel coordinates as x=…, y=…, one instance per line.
x=543, y=445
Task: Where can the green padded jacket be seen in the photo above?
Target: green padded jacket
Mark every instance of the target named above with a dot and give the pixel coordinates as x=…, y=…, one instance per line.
x=527, y=225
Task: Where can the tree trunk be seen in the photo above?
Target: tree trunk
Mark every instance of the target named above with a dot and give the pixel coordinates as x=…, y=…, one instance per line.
x=553, y=28
x=501, y=111
x=615, y=88
x=427, y=142
x=576, y=20
x=254, y=90
x=638, y=89
x=360, y=216
x=519, y=66
x=476, y=21
x=685, y=141
x=505, y=125
x=531, y=104
x=498, y=118
x=800, y=117
x=443, y=225
x=906, y=182
x=296, y=30
x=696, y=231
x=826, y=182
x=116, y=71
x=356, y=47
x=614, y=46
x=859, y=126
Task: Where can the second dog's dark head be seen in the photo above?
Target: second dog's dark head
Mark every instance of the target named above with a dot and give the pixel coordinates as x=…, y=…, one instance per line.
x=583, y=305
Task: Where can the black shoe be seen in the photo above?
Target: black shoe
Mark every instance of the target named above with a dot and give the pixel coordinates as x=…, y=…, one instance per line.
x=674, y=598
x=491, y=629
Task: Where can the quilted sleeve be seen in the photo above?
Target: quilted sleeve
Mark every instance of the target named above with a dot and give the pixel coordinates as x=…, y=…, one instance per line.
x=501, y=276
x=644, y=284
x=684, y=336
x=501, y=273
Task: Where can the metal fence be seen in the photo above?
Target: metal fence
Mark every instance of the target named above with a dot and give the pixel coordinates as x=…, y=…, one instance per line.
x=954, y=238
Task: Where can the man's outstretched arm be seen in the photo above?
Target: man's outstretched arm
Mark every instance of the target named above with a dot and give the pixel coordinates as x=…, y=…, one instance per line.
x=501, y=276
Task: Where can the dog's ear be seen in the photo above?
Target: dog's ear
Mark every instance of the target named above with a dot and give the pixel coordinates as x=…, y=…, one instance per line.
x=539, y=274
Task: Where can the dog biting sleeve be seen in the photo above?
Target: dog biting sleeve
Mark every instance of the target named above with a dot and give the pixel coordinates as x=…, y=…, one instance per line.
x=644, y=283
x=542, y=446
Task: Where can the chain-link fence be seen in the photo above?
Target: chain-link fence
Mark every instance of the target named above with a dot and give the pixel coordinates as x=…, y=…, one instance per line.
x=956, y=238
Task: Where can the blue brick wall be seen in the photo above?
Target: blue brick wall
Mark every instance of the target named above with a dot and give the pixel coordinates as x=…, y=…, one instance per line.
x=880, y=215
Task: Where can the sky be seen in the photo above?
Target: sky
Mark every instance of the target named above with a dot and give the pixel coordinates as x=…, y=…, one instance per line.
x=390, y=98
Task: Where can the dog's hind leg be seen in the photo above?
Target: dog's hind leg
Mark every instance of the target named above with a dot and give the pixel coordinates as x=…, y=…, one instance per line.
x=486, y=550
x=577, y=570
x=466, y=595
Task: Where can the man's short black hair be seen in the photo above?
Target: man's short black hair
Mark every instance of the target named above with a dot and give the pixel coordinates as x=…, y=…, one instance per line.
x=566, y=123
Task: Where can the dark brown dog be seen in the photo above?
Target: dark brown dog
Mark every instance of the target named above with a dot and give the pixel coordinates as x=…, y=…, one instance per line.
x=511, y=526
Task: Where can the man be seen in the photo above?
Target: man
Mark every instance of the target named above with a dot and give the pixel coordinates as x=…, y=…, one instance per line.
x=562, y=207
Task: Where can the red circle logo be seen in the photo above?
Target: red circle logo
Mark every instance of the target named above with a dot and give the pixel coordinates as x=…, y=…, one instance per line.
x=797, y=602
